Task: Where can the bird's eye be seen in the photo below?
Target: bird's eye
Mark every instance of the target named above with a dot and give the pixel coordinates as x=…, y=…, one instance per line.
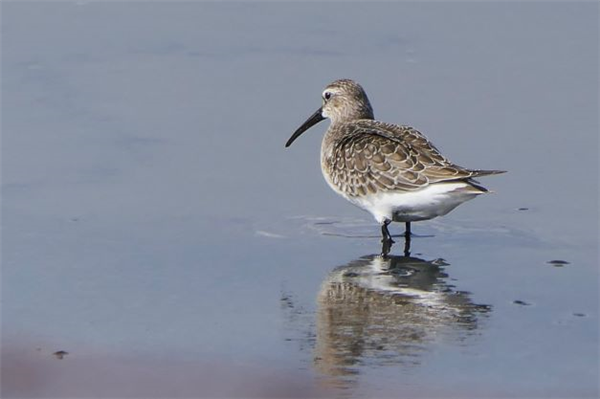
x=327, y=95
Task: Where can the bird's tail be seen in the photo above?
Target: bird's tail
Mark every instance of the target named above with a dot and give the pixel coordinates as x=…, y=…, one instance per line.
x=480, y=172
x=477, y=173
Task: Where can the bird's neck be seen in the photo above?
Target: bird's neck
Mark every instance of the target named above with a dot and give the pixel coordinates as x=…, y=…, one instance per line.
x=363, y=112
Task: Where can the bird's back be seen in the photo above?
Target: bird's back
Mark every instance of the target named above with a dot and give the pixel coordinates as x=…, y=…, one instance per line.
x=365, y=156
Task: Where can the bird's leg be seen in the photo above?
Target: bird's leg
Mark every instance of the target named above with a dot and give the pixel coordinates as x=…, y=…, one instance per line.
x=407, y=235
x=386, y=247
x=407, y=245
x=385, y=233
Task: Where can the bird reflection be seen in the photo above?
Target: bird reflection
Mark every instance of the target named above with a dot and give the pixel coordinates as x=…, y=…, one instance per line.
x=385, y=309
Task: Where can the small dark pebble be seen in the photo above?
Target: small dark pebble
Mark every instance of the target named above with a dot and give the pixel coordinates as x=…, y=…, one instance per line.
x=522, y=303
x=60, y=354
x=558, y=262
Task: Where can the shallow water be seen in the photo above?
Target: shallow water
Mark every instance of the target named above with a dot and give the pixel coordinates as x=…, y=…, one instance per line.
x=155, y=229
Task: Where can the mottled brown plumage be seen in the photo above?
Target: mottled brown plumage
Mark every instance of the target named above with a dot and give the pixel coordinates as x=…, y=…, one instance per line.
x=366, y=156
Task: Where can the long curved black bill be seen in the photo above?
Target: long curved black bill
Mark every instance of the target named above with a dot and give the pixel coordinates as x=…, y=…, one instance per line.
x=310, y=122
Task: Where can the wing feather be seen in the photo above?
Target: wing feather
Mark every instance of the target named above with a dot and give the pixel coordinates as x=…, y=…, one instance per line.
x=373, y=156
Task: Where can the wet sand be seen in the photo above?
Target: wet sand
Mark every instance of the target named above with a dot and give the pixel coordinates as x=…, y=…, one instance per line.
x=156, y=231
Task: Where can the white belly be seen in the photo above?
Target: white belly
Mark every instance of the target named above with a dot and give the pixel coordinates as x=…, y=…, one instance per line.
x=428, y=203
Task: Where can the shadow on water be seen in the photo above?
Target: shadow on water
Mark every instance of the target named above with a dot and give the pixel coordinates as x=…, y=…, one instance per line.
x=386, y=310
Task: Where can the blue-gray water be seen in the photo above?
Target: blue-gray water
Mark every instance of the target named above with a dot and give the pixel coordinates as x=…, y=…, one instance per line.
x=155, y=228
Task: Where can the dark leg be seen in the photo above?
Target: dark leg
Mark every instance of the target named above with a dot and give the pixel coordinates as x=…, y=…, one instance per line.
x=385, y=233
x=407, y=244
x=386, y=247
x=407, y=233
